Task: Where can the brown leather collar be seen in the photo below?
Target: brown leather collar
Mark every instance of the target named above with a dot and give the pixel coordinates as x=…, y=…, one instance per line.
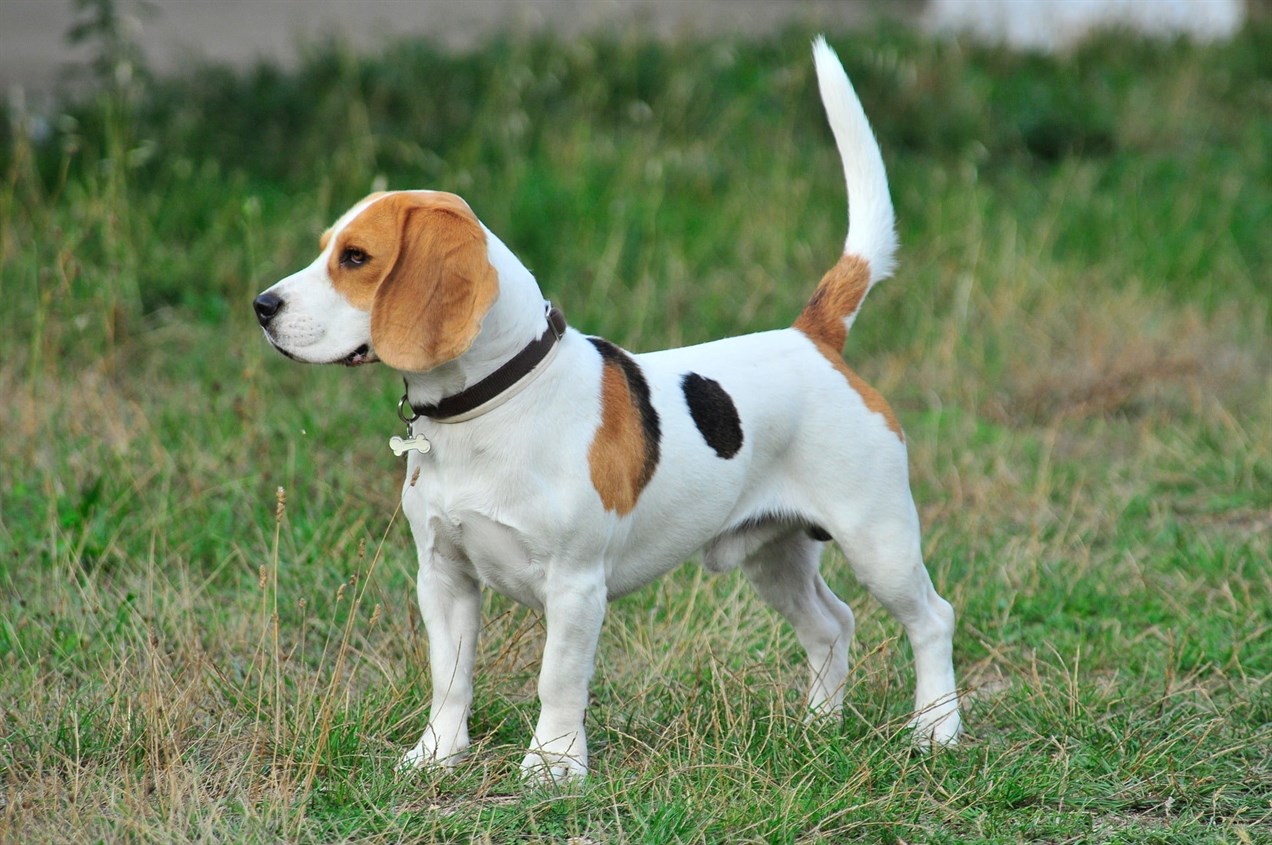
x=509, y=373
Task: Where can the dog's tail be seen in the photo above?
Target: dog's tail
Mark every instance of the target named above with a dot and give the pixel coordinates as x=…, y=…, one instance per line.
x=872, y=239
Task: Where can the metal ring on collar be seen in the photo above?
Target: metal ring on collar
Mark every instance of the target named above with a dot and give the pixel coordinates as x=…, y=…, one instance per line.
x=405, y=402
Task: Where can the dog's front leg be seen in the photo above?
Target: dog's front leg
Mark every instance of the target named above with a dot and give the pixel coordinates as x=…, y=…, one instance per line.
x=450, y=602
x=573, y=614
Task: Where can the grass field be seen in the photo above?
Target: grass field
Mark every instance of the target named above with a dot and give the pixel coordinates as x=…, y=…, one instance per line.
x=1077, y=343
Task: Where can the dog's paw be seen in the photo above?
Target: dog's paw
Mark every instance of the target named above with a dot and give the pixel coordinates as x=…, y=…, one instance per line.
x=547, y=769
x=427, y=754
x=419, y=758
x=937, y=730
x=823, y=709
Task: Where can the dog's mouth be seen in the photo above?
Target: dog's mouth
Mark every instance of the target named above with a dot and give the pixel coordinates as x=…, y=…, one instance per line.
x=358, y=357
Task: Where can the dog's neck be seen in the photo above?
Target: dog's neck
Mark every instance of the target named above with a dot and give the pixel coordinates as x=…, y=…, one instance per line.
x=514, y=320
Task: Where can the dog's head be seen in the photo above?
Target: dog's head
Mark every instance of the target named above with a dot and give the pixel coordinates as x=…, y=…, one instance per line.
x=402, y=278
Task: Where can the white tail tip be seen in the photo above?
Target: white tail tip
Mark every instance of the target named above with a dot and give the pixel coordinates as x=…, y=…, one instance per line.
x=871, y=231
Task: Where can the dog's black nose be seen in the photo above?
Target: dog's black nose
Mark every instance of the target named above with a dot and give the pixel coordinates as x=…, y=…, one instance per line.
x=267, y=305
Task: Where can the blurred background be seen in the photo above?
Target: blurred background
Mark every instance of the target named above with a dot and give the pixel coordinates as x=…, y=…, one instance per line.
x=207, y=625
x=35, y=52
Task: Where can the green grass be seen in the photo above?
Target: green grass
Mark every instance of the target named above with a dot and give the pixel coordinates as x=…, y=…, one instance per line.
x=1077, y=342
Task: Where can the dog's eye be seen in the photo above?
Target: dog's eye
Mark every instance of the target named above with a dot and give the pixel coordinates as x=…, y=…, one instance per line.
x=353, y=257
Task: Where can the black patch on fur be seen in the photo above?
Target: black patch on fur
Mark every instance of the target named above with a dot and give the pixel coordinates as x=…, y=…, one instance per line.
x=818, y=533
x=713, y=413
x=639, y=389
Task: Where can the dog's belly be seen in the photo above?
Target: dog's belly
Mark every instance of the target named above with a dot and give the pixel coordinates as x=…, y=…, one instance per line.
x=529, y=536
x=631, y=568
x=502, y=561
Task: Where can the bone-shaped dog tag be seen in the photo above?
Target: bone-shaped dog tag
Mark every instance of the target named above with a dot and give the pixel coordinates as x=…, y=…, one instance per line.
x=417, y=442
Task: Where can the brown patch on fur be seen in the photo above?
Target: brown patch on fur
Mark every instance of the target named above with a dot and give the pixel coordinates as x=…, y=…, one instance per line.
x=874, y=399
x=425, y=279
x=617, y=457
x=838, y=295
x=325, y=237
x=377, y=231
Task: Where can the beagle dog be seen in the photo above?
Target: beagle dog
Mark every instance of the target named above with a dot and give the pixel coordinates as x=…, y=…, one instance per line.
x=565, y=472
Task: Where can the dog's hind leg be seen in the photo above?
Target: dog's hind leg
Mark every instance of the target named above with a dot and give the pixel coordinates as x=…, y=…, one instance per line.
x=785, y=573
x=884, y=552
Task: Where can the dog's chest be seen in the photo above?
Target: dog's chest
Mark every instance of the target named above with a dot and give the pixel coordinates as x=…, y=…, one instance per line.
x=500, y=558
x=461, y=534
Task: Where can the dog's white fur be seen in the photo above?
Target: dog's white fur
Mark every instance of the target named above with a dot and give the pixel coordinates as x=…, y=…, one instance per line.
x=514, y=500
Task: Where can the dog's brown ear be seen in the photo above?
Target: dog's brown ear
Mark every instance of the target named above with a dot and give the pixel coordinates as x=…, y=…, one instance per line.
x=429, y=307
